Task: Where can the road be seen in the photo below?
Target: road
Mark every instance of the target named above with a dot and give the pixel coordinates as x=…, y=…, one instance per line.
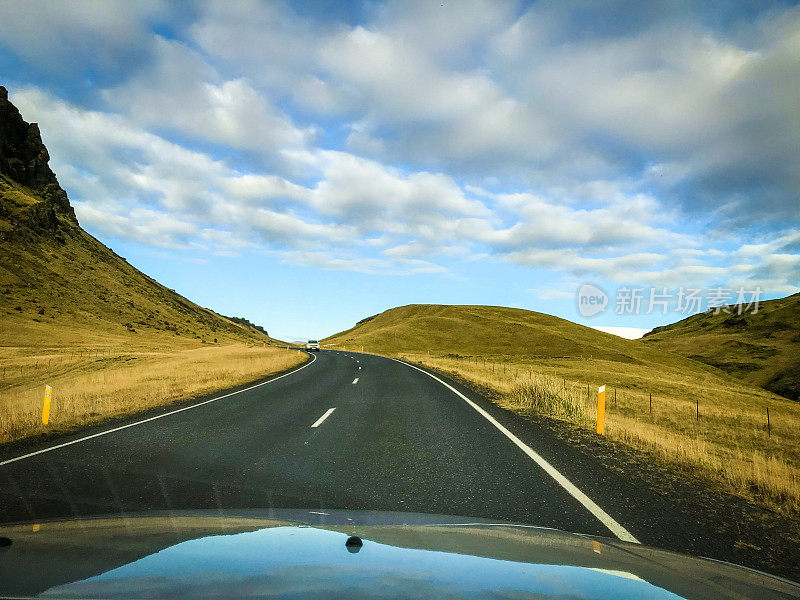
x=346, y=431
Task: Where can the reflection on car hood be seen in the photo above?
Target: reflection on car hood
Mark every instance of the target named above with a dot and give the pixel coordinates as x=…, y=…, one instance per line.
x=302, y=554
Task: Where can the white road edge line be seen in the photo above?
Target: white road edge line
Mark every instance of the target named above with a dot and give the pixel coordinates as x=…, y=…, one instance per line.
x=617, y=529
x=355, y=380
x=327, y=414
x=172, y=412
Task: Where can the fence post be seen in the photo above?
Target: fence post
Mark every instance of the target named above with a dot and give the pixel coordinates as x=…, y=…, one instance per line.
x=651, y=404
x=697, y=407
x=769, y=433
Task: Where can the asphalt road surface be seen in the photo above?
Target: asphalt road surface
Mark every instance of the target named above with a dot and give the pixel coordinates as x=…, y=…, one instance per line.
x=346, y=431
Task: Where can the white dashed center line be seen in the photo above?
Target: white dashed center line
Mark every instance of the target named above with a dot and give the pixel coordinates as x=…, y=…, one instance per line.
x=323, y=417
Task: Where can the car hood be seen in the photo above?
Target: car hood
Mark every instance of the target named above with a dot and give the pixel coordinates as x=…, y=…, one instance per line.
x=305, y=554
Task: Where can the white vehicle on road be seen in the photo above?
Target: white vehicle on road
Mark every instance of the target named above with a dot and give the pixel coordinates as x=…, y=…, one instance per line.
x=312, y=345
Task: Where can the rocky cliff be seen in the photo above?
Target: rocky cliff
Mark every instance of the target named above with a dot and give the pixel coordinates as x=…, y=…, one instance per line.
x=60, y=285
x=24, y=162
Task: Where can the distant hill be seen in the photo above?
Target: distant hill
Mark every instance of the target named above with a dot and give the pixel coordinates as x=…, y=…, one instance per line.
x=494, y=331
x=60, y=286
x=762, y=349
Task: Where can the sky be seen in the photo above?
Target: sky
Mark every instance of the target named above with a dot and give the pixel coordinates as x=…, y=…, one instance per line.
x=308, y=164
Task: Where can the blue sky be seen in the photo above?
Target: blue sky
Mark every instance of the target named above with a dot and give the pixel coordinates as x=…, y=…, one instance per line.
x=306, y=165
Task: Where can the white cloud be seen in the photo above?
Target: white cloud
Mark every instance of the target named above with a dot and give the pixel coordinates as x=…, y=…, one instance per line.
x=63, y=38
x=180, y=92
x=266, y=41
x=449, y=133
x=710, y=107
x=264, y=188
x=365, y=216
x=147, y=227
x=416, y=249
x=629, y=333
x=372, y=266
x=379, y=198
x=703, y=116
x=627, y=222
x=135, y=184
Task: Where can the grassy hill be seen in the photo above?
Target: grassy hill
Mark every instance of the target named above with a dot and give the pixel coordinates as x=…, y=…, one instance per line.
x=688, y=413
x=762, y=349
x=74, y=315
x=499, y=332
x=522, y=339
x=58, y=283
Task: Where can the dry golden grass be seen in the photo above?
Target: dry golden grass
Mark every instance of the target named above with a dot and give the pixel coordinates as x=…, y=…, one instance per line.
x=729, y=444
x=109, y=339
x=93, y=384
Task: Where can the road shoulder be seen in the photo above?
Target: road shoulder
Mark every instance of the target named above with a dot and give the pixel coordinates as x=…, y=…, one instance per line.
x=38, y=442
x=691, y=515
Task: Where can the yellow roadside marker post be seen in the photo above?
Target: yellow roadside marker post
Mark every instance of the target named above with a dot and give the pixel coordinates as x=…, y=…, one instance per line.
x=601, y=410
x=48, y=394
